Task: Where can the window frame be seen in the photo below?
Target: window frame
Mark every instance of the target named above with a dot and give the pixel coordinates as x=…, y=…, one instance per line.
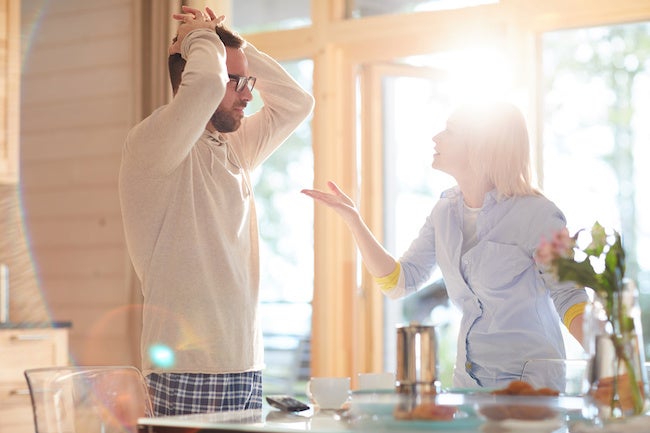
x=344, y=323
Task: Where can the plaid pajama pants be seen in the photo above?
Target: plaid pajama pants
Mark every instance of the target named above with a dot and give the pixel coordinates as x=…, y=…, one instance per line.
x=186, y=393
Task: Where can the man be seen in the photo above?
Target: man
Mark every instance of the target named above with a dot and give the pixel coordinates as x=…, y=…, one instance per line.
x=189, y=216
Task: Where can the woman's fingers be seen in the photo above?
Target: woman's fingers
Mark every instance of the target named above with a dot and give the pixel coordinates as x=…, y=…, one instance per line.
x=336, y=195
x=334, y=187
x=313, y=193
x=340, y=194
x=334, y=200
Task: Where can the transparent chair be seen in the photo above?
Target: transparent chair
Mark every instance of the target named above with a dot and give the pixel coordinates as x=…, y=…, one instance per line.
x=106, y=399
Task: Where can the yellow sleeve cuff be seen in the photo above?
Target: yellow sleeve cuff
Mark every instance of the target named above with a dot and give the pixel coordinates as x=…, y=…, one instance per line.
x=573, y=312
x=389, y=281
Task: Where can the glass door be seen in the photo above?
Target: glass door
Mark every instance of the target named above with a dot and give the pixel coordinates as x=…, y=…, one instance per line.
x=596, y=135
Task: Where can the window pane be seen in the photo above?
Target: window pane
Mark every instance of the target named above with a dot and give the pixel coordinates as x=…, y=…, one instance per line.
x=366, y=8
x=596, y=136
x=252, y=16
x=286, y=250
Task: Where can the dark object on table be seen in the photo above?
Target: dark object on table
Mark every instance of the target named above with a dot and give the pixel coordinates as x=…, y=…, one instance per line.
x=286, y=403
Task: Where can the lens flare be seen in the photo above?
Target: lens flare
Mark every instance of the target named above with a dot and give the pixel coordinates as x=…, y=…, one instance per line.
x=161, y=356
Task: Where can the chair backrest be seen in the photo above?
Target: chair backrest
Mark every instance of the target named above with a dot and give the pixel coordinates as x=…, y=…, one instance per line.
x=104, y=399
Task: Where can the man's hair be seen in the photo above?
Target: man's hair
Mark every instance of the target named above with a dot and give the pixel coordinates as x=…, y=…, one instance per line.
x=177, y=64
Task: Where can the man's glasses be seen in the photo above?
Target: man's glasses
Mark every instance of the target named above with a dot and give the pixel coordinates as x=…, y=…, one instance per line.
x=242, y=82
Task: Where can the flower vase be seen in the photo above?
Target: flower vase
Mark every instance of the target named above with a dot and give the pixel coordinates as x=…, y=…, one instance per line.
x=618, y=382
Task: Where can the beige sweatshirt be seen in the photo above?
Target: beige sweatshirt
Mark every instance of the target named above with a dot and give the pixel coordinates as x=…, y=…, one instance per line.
x=189, y=212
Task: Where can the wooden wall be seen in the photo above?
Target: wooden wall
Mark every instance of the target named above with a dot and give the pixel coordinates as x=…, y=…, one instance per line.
x=77, y=87
x=9, y=89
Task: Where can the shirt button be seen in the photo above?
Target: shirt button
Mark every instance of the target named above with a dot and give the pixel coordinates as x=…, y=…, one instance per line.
x=468, y=366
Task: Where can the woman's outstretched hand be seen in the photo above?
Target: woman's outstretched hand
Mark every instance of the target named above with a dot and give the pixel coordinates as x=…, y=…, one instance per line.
x=337, y=200
x=378, y=261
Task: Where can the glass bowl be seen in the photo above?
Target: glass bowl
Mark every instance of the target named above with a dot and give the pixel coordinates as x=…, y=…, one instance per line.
x=388, y=411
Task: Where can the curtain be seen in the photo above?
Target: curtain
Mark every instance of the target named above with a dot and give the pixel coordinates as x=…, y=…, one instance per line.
x=153, y=31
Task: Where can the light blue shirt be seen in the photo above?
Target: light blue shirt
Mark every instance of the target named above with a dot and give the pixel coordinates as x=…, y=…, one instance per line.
x=510, y=309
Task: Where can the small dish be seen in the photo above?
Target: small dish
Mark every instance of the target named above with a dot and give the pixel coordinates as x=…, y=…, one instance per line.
x=462, y=423
x=522, y=401
x=522, y=408
x=378, y=402
x=539, y=426
x=409, y=411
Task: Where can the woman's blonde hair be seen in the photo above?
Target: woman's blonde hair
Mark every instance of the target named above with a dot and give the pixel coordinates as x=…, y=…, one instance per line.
x=498, y=146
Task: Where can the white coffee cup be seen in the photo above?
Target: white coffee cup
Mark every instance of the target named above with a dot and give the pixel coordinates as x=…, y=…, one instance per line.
x=328, y=392
x=379, y=381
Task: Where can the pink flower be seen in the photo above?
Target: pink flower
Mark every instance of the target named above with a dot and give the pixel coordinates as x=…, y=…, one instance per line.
x=561, y=245
x=544, y=253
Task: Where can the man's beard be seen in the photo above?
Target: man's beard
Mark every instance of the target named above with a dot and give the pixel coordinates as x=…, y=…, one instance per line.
x=224, y=122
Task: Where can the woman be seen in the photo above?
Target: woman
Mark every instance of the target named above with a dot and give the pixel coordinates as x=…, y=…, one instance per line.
x=483, y=234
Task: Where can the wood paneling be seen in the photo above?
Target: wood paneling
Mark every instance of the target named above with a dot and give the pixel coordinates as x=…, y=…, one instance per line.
x=9, y=90
x=21, y=349
x=76, y=111
x=25, y=300
x=65, y=144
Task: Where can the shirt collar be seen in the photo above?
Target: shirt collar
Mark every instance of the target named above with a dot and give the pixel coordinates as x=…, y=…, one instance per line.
x=455, y=194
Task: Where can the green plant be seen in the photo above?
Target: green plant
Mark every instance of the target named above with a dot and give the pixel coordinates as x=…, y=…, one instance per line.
x=600, y=266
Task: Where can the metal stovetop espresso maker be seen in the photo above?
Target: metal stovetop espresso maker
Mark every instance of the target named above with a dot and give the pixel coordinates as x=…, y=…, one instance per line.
x=417, y=360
